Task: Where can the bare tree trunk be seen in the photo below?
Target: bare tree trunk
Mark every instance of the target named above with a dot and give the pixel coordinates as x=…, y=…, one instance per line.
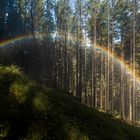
x=133, y=63
x=130, y=87
x=85, y=76
x=122, y=87
x=93, y=80
x=108, y=66
x=101, y=86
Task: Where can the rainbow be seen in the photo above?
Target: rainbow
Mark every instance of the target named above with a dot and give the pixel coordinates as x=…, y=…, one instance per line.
x=128, y=69
x=14, y=40
x=133, y=75
x=19, y=38
x=120, y=61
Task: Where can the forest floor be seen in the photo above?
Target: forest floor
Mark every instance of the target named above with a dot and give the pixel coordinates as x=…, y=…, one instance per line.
x=30, y=112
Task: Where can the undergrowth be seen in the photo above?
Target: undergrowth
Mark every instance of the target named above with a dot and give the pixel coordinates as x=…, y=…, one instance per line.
x=30, y=112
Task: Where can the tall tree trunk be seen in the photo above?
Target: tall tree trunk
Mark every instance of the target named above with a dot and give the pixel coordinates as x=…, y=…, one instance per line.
x=122, y=85
x=108, y=66
x=133, y=63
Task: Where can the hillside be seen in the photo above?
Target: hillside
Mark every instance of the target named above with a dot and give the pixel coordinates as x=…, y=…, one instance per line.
x=31, y=112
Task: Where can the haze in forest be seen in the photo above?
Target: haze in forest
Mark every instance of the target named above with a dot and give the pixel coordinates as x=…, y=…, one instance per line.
x=86, y=49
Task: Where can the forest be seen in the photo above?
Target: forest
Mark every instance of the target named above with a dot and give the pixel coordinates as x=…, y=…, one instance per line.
x=69, y=70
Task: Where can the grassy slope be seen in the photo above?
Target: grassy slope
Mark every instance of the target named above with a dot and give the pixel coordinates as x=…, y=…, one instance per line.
x=33, y=113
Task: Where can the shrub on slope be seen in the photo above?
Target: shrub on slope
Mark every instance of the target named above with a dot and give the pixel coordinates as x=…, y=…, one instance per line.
x=30, y=112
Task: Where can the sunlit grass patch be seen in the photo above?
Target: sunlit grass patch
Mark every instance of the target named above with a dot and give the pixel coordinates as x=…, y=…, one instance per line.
x=116, y=115
x=40, y=102
x=75, y=134
x=37, y=131
x=19, y=90
x=4, y=128
x=10, y=69
x=71, y=132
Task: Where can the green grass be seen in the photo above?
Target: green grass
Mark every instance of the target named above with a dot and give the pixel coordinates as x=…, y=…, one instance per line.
x=30, y=112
